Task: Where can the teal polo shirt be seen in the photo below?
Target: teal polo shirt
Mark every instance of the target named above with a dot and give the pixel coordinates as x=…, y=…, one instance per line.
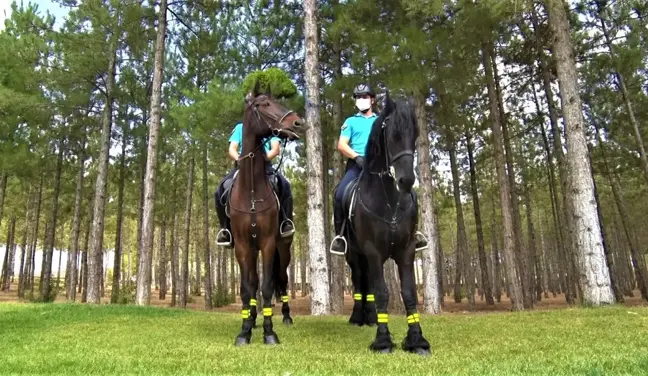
x=357, y=129
x=237, y=136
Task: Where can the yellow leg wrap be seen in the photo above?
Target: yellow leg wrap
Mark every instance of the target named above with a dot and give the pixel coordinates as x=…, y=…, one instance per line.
x=414, y=318
x=383, y=318
x=284, y=298
x=245, y=314
x=267, y=311
x=253, y=302
x=371, y=298
x=357, y=297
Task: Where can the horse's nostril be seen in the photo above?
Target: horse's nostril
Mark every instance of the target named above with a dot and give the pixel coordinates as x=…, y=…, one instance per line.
x=298, y=123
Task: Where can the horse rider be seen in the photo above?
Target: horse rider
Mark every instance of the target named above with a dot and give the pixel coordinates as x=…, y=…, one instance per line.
x=273, y=149
x=354, y=136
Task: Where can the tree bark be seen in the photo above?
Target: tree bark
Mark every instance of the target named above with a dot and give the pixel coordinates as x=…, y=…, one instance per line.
x=534, y=275
x=432, y=294
x=485, y=277
x=594, y=274
x=513, y=278
x=184, y=287
x=3, y=189
x=7, y=265
x=319, y=269
x=174, y=257
x=46, y=273
x=94, y=257
x=462, y=238
x=162, y=272
x=145, y=259
x=114, y=296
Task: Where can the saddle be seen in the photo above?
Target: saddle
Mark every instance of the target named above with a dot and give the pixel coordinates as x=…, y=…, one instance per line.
x=229, y=183
x=349, y=198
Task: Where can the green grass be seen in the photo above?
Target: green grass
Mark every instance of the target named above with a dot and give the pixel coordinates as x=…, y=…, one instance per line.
x=74, y=339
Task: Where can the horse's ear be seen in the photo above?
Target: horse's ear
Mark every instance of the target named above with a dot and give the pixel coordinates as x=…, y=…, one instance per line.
x=389, y=103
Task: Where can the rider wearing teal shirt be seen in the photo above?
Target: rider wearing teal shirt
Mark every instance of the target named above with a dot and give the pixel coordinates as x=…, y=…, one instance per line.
x=354, y=136
x=272, y=147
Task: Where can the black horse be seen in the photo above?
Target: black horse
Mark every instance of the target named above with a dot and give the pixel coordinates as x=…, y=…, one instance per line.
x=382, y=215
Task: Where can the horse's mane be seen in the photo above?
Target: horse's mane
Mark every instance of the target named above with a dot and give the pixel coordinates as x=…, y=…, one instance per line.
x=401, y=116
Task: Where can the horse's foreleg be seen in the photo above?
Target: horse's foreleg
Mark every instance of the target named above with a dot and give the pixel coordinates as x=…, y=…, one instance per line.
x=249, y=283
x=414, y=341
x=383, y=342
x=267, y=289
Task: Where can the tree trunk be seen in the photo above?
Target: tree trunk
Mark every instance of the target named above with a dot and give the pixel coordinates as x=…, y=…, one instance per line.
x=522, y=259
x=302, y=268
x=462, y=238
x=29, y=267
x=566, y=253
x=174, y=256
x=512, y=277
x=638, y=260
x=145, y=259
x=207, y=258
x=7, y=265
x=184, y=283
x=535, y=270
x=594, y=274
x=485, y=277
x=117, y=272
x=319, y=269
x=46, y=273
x=74, y=237
x=432, y=294
x=162, y=272
x=23, y=252
x=338, y=264
x=3, y=190
x=94, y=257
x=393, y=285
x=84, y=263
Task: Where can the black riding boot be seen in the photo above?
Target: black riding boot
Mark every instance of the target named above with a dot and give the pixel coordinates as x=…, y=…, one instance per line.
x=339, y=244
x=224, y=236
x=287, y=228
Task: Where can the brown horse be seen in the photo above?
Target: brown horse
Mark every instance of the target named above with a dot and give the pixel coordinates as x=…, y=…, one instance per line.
x=254, y=214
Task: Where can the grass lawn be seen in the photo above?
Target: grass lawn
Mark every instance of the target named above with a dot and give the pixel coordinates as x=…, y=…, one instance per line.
x=75, y=339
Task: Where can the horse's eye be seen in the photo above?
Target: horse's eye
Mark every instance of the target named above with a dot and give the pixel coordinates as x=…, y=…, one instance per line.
x=267, y=104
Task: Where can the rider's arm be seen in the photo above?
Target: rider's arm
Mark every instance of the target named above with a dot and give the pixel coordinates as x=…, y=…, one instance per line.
x=344, y=148
x=274, y=149
x=233, y=150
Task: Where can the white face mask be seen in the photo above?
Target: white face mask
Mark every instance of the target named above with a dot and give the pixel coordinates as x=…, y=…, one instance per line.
x=363, y=104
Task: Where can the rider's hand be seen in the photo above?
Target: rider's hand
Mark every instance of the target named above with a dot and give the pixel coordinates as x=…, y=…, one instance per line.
x=359, y=161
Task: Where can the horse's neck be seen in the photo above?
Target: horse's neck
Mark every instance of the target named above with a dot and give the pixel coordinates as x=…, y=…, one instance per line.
x=252, y=170
x=381, y=188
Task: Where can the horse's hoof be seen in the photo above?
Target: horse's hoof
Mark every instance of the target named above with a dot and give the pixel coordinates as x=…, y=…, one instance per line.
x=288, y=321
x=421, y=351
x=241, y=341
x=387, y=350
x=353, y=323
x=271, y=339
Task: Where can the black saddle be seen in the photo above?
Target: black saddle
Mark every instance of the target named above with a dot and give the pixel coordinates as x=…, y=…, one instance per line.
x=349, y=197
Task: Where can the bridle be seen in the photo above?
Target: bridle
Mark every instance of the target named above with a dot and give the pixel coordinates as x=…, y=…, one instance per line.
x=389, y=158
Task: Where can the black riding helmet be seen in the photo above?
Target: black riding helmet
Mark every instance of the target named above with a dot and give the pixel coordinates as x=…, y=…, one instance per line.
x=361, y=89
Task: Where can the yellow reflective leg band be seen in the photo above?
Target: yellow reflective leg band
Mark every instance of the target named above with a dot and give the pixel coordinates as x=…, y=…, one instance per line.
x=253, y=302
x=284, y=298
x=267, y=311
x=383, y=318
x=245, y=314
x=357, y=296
x=371, y=298
x=414, y=318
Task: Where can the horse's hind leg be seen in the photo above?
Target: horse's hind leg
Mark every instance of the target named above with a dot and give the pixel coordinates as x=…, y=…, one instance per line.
x=357, y=315
x=281, y=262
x=267, y=289
x=249, y=286
x=414, y=341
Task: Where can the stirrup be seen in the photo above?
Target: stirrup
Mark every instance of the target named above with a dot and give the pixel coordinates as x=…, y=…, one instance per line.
x=333, y=242
x=287, y=233
x=226, y=244
x=426, y=241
